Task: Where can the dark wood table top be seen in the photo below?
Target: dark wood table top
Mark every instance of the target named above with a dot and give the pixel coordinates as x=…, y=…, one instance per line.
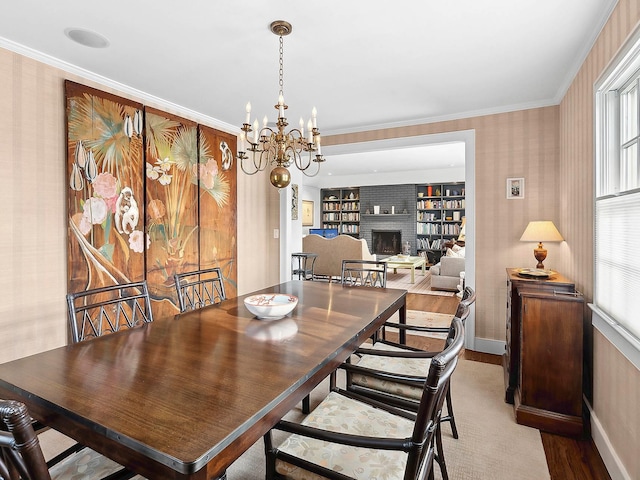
x=183, y=397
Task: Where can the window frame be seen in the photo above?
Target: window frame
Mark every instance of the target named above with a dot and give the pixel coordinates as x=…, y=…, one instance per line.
x=623, y=74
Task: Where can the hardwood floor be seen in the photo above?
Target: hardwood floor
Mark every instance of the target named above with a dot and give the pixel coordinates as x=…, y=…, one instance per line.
x=568, y=458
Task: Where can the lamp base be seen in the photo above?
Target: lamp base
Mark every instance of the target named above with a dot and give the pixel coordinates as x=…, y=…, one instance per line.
x=540, y=253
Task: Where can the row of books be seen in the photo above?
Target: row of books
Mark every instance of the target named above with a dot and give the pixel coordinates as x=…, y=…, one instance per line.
x=426, y=244
x=341, y=206
x=345, y=217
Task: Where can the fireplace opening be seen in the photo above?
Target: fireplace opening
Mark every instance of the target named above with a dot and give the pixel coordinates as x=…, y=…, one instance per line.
x=386, y=242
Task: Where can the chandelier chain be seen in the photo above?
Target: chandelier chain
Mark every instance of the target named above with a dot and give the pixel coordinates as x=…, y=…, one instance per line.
x=281, y=71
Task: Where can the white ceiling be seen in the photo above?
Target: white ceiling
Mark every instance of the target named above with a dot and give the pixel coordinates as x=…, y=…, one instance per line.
x=363, y=63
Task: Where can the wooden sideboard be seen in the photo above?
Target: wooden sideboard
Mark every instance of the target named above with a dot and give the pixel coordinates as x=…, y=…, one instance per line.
x=543, y=354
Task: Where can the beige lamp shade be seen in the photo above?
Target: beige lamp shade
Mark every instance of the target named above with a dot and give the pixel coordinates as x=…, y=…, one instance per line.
x=541, y=231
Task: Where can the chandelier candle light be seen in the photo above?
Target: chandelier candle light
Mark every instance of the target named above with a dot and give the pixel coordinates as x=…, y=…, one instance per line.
x=276, y=147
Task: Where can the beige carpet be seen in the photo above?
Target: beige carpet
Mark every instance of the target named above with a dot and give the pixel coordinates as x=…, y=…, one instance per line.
x=492, y=446
x=422, y=284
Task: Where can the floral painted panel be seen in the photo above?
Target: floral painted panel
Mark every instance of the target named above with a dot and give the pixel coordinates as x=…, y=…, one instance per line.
x=172, y=201
x=218, y=199
x=150, y=195
x=105, y=189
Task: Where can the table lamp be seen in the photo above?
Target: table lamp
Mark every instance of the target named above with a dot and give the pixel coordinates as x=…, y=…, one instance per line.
x=541, y=231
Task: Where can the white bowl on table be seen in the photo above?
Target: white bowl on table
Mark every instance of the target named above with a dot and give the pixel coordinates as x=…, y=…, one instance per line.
x=271, y=306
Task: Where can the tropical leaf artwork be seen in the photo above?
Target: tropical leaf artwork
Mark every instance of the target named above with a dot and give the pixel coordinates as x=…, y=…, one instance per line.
x=218, y=221
x=106, y=196
x=149, y=195
x=172, y=196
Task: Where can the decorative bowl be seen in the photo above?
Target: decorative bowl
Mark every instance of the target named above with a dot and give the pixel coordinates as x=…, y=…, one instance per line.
x=271, y=306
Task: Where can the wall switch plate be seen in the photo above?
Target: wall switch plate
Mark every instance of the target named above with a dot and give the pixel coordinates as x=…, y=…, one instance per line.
x=276, y=233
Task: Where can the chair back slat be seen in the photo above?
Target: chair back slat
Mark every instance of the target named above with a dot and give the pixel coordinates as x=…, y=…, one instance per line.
x=96, y=312
x=364, y=273
x=199, y=288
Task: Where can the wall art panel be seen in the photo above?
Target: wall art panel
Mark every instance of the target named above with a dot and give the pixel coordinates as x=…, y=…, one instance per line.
x=150, y=195
x=105, y=189
x=218, y=200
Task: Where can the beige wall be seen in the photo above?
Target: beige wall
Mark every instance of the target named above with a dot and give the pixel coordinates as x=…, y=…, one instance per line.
x=33, y=231
x=616, y=382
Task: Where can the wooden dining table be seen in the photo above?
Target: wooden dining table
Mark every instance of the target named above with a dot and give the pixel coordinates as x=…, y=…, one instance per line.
x=185, y=396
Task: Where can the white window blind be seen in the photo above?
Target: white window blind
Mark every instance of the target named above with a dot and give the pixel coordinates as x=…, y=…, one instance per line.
x=617, y=258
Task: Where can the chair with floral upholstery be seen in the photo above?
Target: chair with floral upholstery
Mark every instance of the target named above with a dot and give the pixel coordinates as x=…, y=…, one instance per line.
x=392, y=373
x=21, y=456
x=349, y=436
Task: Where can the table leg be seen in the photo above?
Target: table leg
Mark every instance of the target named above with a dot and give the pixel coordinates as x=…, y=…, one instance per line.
x=402, y=315
x=413, y=274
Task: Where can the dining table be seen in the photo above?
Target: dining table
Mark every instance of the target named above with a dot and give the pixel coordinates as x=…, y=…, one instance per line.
x=184, y=396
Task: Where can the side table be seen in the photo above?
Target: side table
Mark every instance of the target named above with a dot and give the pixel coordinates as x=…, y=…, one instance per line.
x=302, y=264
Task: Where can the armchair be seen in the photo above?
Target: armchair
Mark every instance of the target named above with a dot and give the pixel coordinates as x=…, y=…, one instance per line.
x=348, y=436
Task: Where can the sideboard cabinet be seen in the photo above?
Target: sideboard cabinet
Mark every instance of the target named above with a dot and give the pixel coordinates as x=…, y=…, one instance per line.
x=543, y=354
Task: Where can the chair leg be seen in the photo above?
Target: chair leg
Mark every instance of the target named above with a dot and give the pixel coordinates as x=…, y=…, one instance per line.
x=440, y=454
x=306, y=405
x=450, y=417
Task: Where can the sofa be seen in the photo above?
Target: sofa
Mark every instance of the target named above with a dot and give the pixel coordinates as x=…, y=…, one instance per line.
x=445, y=275
x=331, y=252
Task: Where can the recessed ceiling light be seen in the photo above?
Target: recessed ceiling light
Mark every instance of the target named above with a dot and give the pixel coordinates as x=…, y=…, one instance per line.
x=87, y=37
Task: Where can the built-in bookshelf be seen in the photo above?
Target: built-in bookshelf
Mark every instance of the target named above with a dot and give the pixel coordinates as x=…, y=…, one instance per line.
x=341, y=210
x=440, y=210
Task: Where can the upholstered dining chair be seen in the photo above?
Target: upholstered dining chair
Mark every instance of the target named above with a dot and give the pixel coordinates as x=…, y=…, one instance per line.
x=390, y=372
x=468, y=298
x=21, y=456
x=357, y=273
x=96, y=312
x=364, y=273
x=353, y=437
x=199, y=288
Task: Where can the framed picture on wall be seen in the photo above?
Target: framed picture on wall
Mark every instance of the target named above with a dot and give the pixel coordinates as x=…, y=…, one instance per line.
x=515, y=188
x=307, y=213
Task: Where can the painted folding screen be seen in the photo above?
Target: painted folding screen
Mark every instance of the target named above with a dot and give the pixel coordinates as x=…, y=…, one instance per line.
x=150, y=194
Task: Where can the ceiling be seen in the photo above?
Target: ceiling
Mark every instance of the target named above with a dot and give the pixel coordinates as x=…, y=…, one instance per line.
x=362, y=64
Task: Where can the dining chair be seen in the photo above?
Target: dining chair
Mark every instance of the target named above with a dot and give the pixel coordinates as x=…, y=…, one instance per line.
x=468, y=298
x=96, y=312
x=357, y=273
x=364, y=273
x=21, y=456
x=199, y=288
x=349, y=436
x=393, y=373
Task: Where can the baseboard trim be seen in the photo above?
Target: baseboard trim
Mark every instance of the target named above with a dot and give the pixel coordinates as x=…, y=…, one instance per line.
x=615, y=467
x=485, y=345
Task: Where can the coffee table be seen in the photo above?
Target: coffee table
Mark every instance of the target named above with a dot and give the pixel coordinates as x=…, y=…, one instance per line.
x=402, y=261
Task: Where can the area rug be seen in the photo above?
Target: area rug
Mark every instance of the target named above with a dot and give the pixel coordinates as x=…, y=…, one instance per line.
x=491, y=445
x=422, y=284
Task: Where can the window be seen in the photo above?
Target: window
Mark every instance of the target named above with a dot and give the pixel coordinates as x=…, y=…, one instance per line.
x=617, y=201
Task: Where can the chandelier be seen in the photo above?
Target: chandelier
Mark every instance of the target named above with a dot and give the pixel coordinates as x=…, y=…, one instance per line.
x=277, y=148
